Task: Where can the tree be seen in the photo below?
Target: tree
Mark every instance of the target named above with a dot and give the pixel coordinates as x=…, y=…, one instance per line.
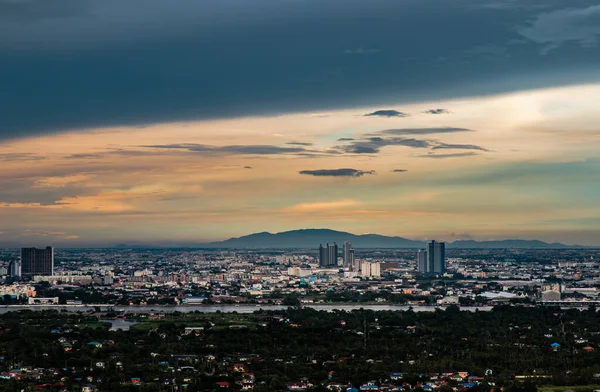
x=291, y=300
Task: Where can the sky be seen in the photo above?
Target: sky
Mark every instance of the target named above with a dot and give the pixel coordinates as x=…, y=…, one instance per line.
x=148, y=121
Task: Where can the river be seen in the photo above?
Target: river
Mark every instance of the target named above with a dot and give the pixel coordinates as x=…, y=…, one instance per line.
x=226, y=308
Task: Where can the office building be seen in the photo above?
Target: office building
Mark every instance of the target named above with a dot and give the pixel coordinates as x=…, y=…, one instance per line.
x=323, y=256
x=370, y=270
x=14, y=269
x=332, y=251
x=328, y=256
x=422, y=261
x=37, y=261
x=348, y=256
x=432, y=260
x=436, y=257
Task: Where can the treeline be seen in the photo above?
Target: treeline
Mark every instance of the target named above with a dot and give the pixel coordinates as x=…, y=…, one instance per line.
x=283, y=346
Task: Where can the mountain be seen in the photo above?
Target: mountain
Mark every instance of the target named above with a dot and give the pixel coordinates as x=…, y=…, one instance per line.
x=508, y=244
x=311, y=238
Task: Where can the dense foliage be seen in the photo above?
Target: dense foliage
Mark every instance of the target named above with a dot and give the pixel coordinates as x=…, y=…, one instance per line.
x=280, y=347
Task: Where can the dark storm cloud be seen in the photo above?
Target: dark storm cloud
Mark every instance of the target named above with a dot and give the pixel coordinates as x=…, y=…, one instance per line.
x=233, y=149
x=423, y=131
x=355, y=173
x=445, y=146
x=399, y=170
x=247, y=167
x=345, y=139
x=76, y=64
x=554, y=28
x=299, y=143
x=373, y=145
x=437, y=111
x=386, y=113
x=453, y=155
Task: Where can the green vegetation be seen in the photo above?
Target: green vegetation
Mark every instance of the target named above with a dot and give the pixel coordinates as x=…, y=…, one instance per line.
x=503, y=347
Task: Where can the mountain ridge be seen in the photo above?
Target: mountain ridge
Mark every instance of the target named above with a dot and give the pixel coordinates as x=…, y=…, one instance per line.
x=311, y=238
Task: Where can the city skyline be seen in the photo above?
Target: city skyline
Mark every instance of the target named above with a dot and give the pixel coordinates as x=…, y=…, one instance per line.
x=484, y=133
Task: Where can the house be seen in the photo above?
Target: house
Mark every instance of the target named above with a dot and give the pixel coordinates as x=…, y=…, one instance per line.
x=89, y=388
x=555, y=346
x=298, y=386
x=223, y=384
x=397, y=376
x=239, y=368
x=370, y=386
x=195, y=330
x=248, y=381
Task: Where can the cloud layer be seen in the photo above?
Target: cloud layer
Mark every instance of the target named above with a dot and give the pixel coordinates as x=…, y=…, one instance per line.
x=88, y=64
x=386, y=113
x=354, y=173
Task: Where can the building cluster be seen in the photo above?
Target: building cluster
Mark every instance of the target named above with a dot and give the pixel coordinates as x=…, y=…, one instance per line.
x=432, y=260
x=434, y=275
x=32, y=262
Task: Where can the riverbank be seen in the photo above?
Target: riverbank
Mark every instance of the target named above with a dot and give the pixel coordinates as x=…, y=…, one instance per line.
x=227, y=308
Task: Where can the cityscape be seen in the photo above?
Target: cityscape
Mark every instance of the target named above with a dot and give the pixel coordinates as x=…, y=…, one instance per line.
x=299, y=195
x=415, y=277
x=202, y=295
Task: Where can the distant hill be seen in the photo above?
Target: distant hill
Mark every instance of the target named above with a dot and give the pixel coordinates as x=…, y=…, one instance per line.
x=311, y=238
x=508, y=244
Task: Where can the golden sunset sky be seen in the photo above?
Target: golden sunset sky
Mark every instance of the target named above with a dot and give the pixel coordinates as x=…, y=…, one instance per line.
x=160, y=122
x=515, y=165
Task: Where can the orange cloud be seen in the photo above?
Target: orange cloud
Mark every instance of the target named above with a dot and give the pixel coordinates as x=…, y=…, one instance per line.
x=59, y=182
x=322, y=206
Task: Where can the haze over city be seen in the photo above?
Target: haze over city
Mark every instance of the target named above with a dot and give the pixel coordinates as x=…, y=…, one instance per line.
x=146, y=122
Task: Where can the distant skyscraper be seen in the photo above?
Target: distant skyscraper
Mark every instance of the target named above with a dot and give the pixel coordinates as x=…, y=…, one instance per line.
x=432, y=259
x=436, y=257
x=14, y=269
x=323, y=262
x=37, y=261
x=348, y=255
x=332, y=251
x=328, y=256
x=422, y=261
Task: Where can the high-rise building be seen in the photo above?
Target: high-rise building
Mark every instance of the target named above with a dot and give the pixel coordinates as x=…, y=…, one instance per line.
x=422, y=261
x=323, y=262
x=37, y=261
x=348, y=255
x=332, y=258
x=432, y=259
x=370, y=270
x=14, y=269
x=436, y=257
x=328, y=256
